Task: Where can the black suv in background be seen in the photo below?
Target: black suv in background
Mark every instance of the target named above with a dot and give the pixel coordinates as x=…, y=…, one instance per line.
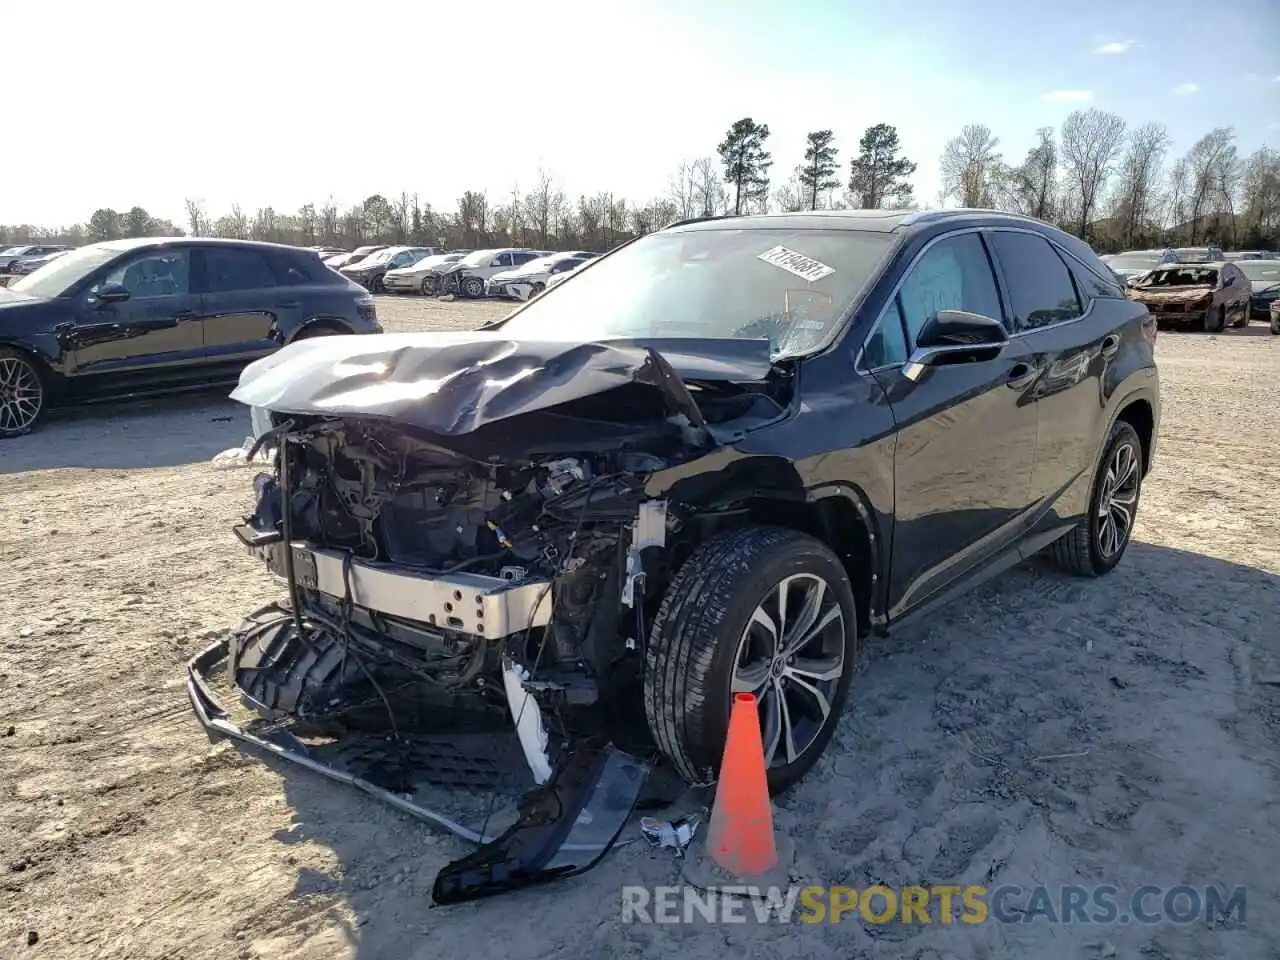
x=151, y=315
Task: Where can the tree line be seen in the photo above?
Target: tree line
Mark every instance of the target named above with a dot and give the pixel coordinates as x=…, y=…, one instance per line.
x=1095, y=176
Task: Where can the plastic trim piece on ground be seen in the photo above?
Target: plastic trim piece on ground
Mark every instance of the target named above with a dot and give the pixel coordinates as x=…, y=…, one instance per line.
x=564, y=828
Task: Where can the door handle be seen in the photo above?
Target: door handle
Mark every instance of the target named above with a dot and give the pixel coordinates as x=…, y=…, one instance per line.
x=1110, y=344
x=1021, y=374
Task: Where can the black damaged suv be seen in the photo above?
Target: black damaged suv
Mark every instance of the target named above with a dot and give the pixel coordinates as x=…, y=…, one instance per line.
x=133, y=317
x=708, y=463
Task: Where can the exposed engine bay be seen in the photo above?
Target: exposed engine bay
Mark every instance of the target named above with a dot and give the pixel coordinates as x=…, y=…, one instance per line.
x=508, y=570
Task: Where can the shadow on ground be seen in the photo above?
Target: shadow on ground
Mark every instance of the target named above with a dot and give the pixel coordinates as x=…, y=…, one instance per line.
x=1046, y=730
x=162, y=432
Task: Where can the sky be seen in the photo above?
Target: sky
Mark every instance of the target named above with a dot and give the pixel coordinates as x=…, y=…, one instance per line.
x=284, y=102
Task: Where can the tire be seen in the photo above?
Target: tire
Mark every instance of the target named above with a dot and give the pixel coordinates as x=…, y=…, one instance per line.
x=376, y=285
x=1243, y=320
x=1084, y=550
x=321, y=328
x=537, y=288
x=706, y=638
x=1215, y=320
x=24, y=393
x=472, y=288
x=1275, y=325
x=428, y=286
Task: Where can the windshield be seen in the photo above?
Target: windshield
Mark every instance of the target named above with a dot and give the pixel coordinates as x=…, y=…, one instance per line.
x=1134, y=261
x=478, y=259
x=1258, y=271
x=787, y=284
x=61, y=273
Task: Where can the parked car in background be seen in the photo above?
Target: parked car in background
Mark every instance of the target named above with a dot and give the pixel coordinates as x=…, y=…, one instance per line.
x=1275, y=318
x=32, y=264
x=1264, y=286
x=324, y=253
x=1133, y=263
x=531, y=279
x=151, y=315
x=1193, y=294
x=356, y=255
x=421, y=277
x=10, y=257
x=1251, y=255
x=369, y=271
x=467, y=277
x=1192, y=255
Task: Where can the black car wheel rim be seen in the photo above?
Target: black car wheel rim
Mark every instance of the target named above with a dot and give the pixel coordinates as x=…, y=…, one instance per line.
x=791, y=656
x=1118, y=500
x=21, y=394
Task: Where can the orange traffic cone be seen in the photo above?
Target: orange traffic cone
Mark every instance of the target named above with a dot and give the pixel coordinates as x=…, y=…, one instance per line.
x=740, y=845
x=740, y=834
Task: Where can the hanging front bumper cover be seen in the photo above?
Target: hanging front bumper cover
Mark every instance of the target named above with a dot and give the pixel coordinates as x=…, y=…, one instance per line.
x=562, y=828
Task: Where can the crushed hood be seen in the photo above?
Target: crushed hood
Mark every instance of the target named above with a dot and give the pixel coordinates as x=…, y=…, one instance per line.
x=453, y=383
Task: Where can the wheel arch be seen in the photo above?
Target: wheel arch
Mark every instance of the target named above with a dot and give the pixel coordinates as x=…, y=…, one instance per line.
x=320, y=322
x=1139, y=413
x=52, y=377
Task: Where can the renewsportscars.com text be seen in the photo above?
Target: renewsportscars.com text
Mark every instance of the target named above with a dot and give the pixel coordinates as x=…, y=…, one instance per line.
x=941, y=904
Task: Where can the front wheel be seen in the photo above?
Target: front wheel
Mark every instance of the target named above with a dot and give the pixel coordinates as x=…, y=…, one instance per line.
x=1215, y=320
x=22, y=393
x=1243, y=319
x=429, y=286
x=1096, y=544
x=763, y=610
x=473, y=287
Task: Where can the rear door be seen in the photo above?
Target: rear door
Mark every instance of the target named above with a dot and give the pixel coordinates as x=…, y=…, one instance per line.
x=243, y=304
x=153, y=336
x=966, y=435
x=1051, y=299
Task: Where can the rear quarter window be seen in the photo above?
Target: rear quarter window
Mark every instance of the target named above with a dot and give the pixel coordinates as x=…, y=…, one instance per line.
x=294, y=271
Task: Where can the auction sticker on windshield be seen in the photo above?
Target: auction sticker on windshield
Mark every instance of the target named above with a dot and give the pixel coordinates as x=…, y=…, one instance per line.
x=806, y=268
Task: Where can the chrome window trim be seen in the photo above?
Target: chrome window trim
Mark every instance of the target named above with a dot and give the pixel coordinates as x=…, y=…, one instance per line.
x=1013, y=335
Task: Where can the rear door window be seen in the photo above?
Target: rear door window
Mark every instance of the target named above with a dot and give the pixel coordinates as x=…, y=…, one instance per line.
x=229, y=269
x=1041, y=290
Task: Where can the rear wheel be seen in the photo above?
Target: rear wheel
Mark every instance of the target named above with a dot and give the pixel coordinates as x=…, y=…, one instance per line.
x=763, y=610
x=1275, y=324
x=1098, y=542
x=23, y=393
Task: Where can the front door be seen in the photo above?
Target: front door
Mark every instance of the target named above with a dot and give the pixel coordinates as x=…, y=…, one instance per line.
x=966, y=431
x=154, y=335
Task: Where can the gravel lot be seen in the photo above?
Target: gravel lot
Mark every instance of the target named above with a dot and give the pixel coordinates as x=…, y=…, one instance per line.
x=1045, y=731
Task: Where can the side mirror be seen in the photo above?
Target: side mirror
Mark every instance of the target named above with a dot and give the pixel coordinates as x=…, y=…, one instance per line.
x=111, y=293
x=955, y=336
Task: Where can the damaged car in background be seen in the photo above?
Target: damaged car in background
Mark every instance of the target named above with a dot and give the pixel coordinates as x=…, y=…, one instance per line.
x=526, y=568
x=1207, y=295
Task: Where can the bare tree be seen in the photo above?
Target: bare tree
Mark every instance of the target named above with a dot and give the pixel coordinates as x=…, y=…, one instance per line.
x=400, y=214
x=198, y=219
x=794, y=194
x=682, y=187
x=329, y=222
x=1139, y=177
x=1260, y=195
x=239, y=223
x=1206, y=163
x=969, y=164
x=711, y=199
x=542, y=206
x=1091, y=141
x=1031, y=187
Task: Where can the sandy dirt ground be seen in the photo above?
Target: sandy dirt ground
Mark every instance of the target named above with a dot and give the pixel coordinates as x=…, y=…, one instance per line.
x=1046, y=730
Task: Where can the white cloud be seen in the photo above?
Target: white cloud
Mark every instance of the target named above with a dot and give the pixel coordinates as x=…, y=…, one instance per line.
x=1067, y=96
x=1276, y=79
x=1115, y=47
x=1183, y=88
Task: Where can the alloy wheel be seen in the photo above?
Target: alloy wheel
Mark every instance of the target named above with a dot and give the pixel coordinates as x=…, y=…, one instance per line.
x=1118, y=500
x=791, y=656
x=472, y=287
x=21, y=394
